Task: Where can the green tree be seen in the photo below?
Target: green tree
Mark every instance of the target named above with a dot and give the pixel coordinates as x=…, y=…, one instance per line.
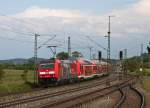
x=62, y=55
x=133, y=64
x=148, y=49
x=76, y=54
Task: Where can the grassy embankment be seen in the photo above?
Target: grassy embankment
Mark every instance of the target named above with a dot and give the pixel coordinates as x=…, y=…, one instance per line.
x=13, y=82
x=146, y=80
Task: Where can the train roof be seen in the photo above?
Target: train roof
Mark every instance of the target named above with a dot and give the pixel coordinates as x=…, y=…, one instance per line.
x=48, y=61
x=81, y=60
x=85, y=61
x=99, y=62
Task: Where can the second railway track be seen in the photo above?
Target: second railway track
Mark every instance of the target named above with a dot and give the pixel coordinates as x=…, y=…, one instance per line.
x=130, y=98
x=79, y=99
x=69, y=97
x=51, y=94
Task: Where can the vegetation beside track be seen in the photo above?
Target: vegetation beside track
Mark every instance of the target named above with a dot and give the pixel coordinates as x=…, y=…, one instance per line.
x=145, y=77
x=146, y=83
x=16, y=81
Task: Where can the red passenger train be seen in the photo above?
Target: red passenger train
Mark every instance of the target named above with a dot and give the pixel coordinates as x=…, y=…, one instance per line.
x=56, y=70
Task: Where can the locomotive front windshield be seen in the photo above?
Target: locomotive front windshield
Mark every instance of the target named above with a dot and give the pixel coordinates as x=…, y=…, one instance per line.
x=47, y=66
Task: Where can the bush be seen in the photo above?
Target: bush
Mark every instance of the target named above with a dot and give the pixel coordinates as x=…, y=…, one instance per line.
x=133, y=65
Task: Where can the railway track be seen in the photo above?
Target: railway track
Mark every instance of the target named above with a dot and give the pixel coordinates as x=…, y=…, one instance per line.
x=52, y=94
x=87, y=96
x=130, y=98
x=41, y=91
x=70, y=97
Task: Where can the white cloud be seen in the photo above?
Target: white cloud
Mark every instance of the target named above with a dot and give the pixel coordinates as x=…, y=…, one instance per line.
x=143, y=7
x=37, y=12
x=132, y=22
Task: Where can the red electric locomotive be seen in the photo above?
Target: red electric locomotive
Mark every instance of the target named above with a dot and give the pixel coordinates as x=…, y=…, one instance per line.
x=56, y=70
x=49, y=70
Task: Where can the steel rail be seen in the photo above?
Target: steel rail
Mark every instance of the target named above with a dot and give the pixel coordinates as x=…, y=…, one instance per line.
x=123, y=97
x=121, y=100
x=73, y=100
x=142, y=104
x=47, y=95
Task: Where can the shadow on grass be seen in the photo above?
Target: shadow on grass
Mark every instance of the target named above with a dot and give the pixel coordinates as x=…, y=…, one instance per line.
x=32, y=85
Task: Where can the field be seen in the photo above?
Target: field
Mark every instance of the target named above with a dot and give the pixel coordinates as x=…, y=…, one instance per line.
x=146, y=87
x=147, y=71
x=13, y=82
x=146, y=83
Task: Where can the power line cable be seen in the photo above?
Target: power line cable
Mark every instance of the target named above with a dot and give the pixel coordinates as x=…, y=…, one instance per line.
x=12, y=26
x=96, y=43
x=18, y=20
x=12, y=39
x=29, y=30
x=47, y=41
x=17, y=32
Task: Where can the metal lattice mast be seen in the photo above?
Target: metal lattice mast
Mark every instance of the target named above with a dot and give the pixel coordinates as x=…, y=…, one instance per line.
x=108, y=49
x=69, y=54
x=35, y=59
x=69, y=47
x=109, y=39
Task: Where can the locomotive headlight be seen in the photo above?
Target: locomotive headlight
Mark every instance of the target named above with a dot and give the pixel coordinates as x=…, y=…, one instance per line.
x=51, y=72
x=42, y=73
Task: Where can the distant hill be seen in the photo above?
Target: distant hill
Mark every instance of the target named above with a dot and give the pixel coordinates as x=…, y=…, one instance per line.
x=23, y=61
x=19, y=61
x=14, y=61
x=144, y=55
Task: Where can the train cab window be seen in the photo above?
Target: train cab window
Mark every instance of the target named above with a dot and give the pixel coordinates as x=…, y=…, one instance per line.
x=47, y=66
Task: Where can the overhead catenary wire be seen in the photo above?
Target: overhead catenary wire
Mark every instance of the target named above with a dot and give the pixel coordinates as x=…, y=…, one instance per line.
x=22, y=33
x=23, y=22
x=25, y=33
x=12, y=39
x=17, y=32
x=21, y=25
x=18, y=20
x=96, y=43
x=47, y=41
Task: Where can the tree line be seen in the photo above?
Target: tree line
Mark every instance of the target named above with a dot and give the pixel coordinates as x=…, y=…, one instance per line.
x=136, y=63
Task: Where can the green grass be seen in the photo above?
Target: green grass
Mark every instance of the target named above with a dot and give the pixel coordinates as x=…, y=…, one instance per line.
x=13, y=82
x=146, y=83
x=146, y=78
x=147, y=70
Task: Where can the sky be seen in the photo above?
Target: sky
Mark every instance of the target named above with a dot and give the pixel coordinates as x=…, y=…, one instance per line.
x=85, y=21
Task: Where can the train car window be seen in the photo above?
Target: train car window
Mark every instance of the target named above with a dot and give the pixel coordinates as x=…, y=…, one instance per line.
x=47, y=66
